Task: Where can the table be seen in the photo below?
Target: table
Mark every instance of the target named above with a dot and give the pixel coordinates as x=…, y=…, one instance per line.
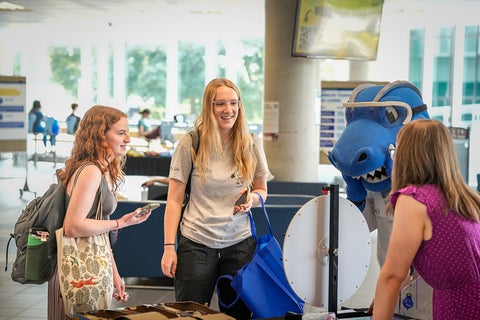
x=148, y=166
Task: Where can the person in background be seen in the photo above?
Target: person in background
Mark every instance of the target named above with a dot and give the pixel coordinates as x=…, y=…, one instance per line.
x=101, y=143
x=39, y=123
x=73, y=120
x=149, y=182
x=213, y=241
x=36, y=121
x=51, y=131
x=144, y=128
x=436, y=226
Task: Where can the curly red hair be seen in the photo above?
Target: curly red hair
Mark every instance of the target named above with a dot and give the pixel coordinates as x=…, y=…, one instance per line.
x=90, y=145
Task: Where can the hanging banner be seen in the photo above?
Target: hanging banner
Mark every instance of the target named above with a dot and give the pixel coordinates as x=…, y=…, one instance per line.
x=13, y=117
x=271, y=119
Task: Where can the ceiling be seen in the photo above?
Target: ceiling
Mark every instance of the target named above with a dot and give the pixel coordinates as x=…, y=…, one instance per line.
x=51, y=11
x=152, y=19
x=134, y=20
x=125, y=12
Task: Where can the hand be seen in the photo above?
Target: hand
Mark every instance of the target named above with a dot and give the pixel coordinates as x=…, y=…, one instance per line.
x=356, y=192
x=169, y=261
x=246, y=205
x=132, y=218
x=148, y=183
x=119, y=291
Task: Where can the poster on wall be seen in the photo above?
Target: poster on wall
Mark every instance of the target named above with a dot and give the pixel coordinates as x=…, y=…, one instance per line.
x=332, y=113
x=271, y=116
x=13, y=119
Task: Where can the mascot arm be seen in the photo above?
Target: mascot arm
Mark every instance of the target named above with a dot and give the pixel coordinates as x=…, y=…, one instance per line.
x=355, y=191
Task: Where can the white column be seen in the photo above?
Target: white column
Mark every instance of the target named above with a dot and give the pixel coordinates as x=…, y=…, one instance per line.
x=211, y=60
x=119, y=77
x=292, y=82
x=85, y=91
x=102, y=73
x=172, y=79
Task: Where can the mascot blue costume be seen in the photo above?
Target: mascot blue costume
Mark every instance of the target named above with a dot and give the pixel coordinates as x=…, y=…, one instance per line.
x=374, y=115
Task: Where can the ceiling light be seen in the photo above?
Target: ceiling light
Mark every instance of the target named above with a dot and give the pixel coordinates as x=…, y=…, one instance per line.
x=7, y=6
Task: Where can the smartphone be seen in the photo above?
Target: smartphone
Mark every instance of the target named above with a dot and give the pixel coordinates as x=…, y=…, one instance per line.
x=147, y=207
x=242, y=199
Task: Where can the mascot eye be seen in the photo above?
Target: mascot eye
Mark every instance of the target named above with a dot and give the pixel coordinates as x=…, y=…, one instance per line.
x=391, y=113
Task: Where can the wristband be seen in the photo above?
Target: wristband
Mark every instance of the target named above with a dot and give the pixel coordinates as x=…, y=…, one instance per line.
x=169, y=244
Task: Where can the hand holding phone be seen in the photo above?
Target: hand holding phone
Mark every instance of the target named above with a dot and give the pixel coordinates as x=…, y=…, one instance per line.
x=241, y=200
x=146, y=208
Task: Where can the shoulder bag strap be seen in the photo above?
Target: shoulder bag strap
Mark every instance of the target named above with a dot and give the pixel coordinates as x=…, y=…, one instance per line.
x=98, y=214
x=252, y=222
x=80, y=169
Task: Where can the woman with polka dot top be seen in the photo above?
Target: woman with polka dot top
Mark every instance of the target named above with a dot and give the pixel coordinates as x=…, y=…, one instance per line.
x=436, y=228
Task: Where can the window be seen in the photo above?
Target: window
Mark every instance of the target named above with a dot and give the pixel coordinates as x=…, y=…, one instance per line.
x=417, y=43
x=442, y=68
x=471, y=66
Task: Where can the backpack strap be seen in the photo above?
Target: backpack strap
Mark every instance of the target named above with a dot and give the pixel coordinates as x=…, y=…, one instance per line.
x=195, y=143
x=12, y=235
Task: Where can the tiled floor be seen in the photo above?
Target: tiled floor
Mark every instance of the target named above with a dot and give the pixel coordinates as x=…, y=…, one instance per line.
x=21, y=302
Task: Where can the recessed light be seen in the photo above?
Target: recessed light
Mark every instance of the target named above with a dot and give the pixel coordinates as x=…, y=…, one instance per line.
x=7, y=6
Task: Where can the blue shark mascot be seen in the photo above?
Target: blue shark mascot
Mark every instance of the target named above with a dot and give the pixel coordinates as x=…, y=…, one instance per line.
x=374, y=115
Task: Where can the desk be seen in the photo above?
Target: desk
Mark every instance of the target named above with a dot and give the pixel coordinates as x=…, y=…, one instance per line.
x=147, y=166
x=139, y=248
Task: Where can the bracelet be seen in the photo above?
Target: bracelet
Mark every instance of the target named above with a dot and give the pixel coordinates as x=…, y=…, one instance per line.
x=118, y=225
x=168, y=244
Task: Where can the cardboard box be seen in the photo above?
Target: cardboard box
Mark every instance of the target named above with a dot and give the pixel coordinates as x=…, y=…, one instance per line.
x=168, y=310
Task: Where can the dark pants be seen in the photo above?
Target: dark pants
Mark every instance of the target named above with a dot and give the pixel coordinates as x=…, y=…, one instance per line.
x=199, y=267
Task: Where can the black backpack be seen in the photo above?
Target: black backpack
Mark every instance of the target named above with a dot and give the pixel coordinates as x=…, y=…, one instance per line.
x=43, y=214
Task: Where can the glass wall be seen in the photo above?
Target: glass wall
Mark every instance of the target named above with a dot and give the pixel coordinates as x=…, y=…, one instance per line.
x=442, y=68
x=417, y=42
x=471, y=74
x=454, y=102
x=89, y=72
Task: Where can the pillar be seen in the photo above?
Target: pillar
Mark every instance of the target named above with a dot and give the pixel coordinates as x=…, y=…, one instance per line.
x=293, y=83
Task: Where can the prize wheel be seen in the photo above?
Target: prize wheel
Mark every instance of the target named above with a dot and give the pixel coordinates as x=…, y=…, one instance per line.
x=306, y=247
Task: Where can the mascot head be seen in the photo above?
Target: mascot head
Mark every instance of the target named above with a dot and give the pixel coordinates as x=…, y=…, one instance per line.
x=374, y=115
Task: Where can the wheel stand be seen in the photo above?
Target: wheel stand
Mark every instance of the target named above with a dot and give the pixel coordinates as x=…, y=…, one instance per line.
x=333, y=258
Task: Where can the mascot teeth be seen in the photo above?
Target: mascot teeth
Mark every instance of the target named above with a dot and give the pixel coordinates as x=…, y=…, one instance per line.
x=377, y=175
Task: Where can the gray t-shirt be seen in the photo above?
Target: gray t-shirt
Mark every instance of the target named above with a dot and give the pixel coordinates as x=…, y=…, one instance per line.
x=208, y=218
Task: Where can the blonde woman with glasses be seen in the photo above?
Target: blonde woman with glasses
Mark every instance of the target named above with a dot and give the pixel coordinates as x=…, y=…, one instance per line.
x=214, y=234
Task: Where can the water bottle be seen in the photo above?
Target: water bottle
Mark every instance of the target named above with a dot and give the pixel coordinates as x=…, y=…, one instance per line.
x=144, y=194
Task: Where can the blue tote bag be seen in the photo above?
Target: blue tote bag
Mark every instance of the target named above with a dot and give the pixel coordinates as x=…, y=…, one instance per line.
x=261, y=283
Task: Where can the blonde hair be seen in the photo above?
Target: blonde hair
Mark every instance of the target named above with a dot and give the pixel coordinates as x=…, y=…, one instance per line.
x=91, y=146
x=209, y=136
x=426, y=154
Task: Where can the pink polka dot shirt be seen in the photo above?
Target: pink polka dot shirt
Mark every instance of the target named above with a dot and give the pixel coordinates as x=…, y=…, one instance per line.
x=450, y=261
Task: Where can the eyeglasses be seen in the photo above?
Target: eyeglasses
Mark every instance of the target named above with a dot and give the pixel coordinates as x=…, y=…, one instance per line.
x=391, y=151
x=224, y=103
